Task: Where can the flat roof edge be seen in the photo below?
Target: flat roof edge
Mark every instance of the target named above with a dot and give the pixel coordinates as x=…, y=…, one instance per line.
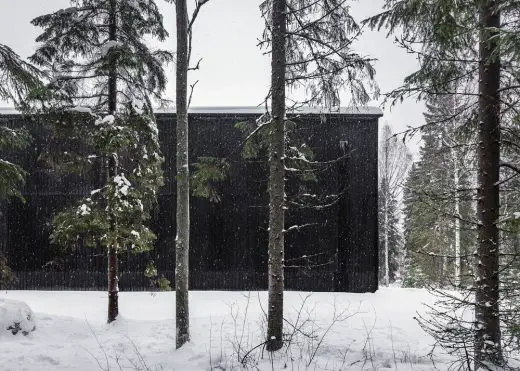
x=351, y=110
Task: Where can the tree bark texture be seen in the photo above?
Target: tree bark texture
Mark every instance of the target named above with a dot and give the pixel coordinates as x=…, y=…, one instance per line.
x=488, y=338
x=113, y=287
x=456, y=181
x=182, y=240
x=276, y=179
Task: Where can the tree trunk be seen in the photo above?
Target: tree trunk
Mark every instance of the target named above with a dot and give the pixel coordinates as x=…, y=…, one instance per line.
x=487, y=340
x=182, y=240
x=385, y=241
x=276, y=179
x=113, y=288
x=457, y=216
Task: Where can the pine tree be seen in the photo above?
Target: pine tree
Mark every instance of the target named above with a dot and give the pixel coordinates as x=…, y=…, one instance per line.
x=310, y=43
x=104, y=77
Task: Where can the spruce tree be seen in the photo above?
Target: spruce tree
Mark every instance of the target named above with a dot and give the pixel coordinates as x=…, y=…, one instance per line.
x=443, y=35
x=18, y=80
x=104, y=78
x=311, y=49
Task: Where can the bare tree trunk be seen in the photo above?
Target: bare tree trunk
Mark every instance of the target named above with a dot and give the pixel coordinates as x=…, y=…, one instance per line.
x=113, y=288
x=488, y=339
x=276, y=179
x=457, y=216
x=182, y=240
x=387, y=264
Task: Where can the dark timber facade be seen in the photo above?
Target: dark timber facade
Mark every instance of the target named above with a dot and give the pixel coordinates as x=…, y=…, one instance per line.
x=336, y=251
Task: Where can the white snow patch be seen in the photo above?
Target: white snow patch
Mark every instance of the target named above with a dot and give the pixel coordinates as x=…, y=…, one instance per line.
x=105, y=48
x=122, y=184
x=73, y=334
x=84, y=210
x=16, y=317
x=107, y=120
x=80, y=109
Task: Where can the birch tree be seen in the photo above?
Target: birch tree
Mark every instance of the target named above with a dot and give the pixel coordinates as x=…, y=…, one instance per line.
x=394, y=163
x=310, y=45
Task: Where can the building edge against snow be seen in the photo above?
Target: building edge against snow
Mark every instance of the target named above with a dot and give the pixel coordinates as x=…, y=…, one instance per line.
x=337, y=250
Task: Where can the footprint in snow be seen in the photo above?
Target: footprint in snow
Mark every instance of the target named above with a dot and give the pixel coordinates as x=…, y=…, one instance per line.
x=52, y=361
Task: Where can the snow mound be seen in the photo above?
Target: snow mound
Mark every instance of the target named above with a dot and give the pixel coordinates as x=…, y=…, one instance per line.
x=16, y=317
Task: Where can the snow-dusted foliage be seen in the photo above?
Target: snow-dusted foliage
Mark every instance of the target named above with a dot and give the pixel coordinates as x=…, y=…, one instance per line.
x=11, y=175
x=320, y=58
x=129, y=194
x=103, y=78
x=18, y=80
x=81, y=52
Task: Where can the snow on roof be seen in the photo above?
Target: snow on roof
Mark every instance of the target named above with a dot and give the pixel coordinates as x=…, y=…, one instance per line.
x=360, y=111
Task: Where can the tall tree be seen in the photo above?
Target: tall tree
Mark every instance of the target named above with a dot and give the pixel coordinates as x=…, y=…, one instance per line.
x=182, y=240
x=106, y=75
x=488, y=347
x=394, y=163
x=276, y=177
x=311, y=51
x=443, y=35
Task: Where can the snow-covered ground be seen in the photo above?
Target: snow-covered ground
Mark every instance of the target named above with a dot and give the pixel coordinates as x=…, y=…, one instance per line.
x=371, y=332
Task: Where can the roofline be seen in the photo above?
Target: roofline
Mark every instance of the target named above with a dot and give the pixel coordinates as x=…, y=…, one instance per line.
x=351, y=110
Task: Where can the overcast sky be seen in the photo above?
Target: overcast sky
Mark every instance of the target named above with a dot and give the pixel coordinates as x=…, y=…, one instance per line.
x=234, y=72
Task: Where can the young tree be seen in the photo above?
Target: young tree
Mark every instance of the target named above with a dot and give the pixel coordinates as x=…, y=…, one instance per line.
x=182, y=240
x=310, y=45
x=394, y=163
x=106, y=76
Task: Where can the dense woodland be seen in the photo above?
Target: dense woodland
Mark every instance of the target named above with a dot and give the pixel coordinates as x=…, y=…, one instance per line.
x=448, y=218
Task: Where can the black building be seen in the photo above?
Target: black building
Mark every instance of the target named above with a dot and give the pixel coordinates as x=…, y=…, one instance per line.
x=336, y=251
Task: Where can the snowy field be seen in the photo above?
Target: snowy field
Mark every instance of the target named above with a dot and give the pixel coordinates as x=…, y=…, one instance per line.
x=328, y=331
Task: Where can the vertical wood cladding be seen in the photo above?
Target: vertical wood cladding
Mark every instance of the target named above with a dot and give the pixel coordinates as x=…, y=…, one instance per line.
x=337, y=251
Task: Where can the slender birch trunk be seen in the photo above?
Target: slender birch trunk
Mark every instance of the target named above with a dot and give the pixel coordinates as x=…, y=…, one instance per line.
x=488, y=337
x=456, y=180
x=276, y=179
x=112, y=163
x=385, y=242
x=182, y=240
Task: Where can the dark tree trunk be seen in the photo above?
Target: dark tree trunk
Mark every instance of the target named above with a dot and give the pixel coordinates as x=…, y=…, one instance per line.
x=113, y=288
x=487, y=342
x=276, y=179
x=182, y=240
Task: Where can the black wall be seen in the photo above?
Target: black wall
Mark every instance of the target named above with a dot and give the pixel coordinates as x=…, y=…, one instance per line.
x=228, y=239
